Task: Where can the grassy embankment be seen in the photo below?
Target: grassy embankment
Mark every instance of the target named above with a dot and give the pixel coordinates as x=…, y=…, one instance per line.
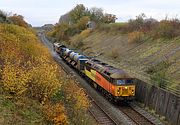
x=33, y=89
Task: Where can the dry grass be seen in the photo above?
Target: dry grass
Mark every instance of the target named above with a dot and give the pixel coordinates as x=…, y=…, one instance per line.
x=135, y=37
x=114, y=53
x=77, y=40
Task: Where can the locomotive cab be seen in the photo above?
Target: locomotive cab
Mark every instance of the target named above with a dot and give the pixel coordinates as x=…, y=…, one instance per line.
x=58, y=48
x=124, y=87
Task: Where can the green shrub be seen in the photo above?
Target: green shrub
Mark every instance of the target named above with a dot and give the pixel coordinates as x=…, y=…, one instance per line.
x=4, y=18
x=136, y=24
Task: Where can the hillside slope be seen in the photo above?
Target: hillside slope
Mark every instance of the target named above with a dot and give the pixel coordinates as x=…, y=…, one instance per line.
x=149, y=60
x=24, y=80
x=33, y=88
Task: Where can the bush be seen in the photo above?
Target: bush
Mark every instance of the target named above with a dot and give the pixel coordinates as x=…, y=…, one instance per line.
x=75, y=100
x=137, y=24
x=18, y=20
x=114, y=53
x=43, y=83
x=167, y=29
x=135, y=37
x=81, y=25
x=85, y=33
x=14, y=78
x=55, y=114
x=63, y=31
x=4, y=18
x=149, y=24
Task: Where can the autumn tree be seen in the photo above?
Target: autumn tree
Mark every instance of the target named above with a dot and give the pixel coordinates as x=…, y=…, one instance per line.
x=75, y=21
x=83, y=22
x=18, y=20
x=109, y=18
x=78, y=12
x=96, y=14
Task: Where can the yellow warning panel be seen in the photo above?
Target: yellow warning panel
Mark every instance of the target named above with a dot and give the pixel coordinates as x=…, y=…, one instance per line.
x=91, y=74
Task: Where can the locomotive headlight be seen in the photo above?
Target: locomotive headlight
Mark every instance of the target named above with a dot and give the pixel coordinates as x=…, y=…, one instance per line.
x=132, y=92
x=118, y=91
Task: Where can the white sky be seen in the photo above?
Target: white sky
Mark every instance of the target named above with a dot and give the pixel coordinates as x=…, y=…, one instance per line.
x=40, y=12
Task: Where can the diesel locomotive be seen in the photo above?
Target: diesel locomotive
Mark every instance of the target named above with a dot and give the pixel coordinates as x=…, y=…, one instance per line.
x=114, y=83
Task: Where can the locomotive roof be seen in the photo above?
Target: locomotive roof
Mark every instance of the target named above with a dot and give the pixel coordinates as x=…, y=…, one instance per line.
x=59, y=45
x=108, y=69
x=119, y=74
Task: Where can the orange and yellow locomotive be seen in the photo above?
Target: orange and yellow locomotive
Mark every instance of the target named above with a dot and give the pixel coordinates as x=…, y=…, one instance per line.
x=114, y=83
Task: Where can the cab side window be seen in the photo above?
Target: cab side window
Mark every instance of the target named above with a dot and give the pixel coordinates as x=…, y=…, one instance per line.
x=88, y=66
x=107, y=73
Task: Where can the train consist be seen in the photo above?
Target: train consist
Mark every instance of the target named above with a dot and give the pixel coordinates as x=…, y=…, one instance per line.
x=114, y=83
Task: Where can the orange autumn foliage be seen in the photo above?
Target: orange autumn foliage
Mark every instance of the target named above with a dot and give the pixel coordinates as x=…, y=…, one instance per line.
x=27, y=69
x=55, y=114
x=18, y=20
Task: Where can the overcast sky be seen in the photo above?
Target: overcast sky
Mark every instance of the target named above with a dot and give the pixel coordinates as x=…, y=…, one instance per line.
x=40, y=12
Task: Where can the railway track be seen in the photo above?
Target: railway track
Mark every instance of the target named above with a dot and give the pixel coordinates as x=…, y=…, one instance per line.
x=100, y=115
x=135, y=116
